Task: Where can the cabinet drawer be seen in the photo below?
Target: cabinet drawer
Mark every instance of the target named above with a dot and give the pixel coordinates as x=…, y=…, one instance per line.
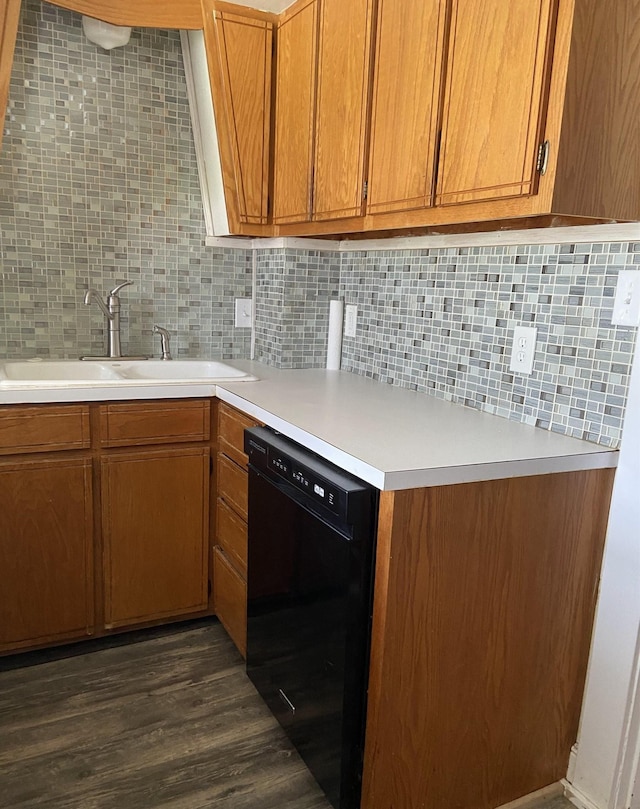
x=233, y=485
x=231, y=535
x=231, y=427
x=154, y=423
x=43, y=429
x=230, y=599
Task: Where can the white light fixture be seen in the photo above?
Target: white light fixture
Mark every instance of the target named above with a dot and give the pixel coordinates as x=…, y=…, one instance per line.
x=104, y=34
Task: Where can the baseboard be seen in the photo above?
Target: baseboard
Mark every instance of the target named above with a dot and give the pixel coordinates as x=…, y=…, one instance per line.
x=552, y=791
x=573, y=758
x=576, y=797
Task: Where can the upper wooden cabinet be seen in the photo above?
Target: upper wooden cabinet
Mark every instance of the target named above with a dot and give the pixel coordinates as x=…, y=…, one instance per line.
x=239, y=45
x=498, y=58
x=9, y=15
x=295, y=100
x=405, y=104
x=143, y=13
x=341, y=110
x=447, y=112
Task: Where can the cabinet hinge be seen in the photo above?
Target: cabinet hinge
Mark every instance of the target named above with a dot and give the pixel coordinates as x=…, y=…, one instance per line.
x=365, y=189
x=543, y=157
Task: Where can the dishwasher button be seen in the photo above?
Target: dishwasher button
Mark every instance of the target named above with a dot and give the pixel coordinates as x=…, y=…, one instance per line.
x=318, y=490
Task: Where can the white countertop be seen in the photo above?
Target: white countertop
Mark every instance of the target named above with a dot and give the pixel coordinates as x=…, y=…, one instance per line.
x=390, y=437
x=399, y=439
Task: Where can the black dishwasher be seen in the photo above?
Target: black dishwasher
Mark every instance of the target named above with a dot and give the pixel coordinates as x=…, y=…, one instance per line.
x=309, y=595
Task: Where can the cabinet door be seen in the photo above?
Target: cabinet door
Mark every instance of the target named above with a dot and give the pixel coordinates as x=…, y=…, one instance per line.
x=406, y=96
x=294, y=113
x=155, y=517
x=343, y=87
x=494, y=99
x=242, y=92
x=46, y=551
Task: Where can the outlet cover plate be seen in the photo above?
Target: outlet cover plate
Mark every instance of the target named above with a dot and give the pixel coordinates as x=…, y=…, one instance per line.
x=523, y=349
x=350, y=320
x=626, y=306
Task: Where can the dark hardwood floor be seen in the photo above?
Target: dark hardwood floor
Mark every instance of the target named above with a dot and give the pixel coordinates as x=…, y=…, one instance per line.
x=167, y=722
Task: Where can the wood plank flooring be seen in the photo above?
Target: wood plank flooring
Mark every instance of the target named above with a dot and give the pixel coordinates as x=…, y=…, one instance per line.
x=168, y=722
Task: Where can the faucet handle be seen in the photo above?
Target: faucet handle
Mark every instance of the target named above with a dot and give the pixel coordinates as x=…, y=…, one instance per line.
x=115, y=290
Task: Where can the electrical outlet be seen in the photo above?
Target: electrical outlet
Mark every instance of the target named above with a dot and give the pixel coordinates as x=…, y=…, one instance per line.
x=350, y=320
x=626, y=307
x=523, y=349
x=244, y=313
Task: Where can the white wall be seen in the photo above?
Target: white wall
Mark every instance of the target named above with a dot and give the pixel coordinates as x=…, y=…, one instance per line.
x=610, y=731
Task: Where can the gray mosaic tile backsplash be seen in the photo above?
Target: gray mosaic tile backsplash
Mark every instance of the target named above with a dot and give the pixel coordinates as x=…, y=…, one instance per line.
x=440, y=321
x=98, y=184
x=293, y=290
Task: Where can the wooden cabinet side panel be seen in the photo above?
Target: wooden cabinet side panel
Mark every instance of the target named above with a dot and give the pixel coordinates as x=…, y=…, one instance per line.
x=485, y=639
x=406, y=104
x=599, y=152
x=9, y=17
x=155, y=519
x=295, y=113
x=46, y=551
x=498, y=60
x=341, y=110
x=244, y=49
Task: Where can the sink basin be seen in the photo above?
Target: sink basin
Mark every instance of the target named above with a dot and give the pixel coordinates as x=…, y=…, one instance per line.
x=38, y=371
x=180, y=370
x=74, y=373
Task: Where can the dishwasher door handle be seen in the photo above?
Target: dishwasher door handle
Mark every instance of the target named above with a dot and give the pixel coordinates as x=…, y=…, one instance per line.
x=286, y=701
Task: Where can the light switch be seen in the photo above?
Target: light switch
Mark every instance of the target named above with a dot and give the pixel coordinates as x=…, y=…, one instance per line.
x=244, y=313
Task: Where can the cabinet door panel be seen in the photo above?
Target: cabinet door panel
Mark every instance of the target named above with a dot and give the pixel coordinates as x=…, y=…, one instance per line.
x=343, y=84
x=498, y=60
x=295, y=108
x=155, y=520
x=244, y=47
x=406, y=95
x=46, y=551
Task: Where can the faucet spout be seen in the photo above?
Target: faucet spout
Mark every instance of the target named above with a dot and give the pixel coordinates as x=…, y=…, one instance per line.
x=93, y=295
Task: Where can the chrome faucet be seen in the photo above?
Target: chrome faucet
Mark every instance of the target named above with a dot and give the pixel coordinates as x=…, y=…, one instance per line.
x=111, y=311
x=165, y=337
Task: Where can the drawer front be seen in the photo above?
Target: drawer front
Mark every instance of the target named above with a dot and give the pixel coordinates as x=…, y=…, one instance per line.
x=154, y=423
x=231, y=535
x=230, y=600
x=231, y=427
x=43, y=429
x=233, y=485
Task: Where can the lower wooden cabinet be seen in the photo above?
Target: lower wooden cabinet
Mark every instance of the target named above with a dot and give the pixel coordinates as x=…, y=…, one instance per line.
x=230, y=539
x=230, y=599
x=155, y=518
x=104, y=518
x=46, y=551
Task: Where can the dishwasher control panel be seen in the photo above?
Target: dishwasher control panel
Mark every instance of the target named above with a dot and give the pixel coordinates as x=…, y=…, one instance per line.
x=319, y=480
